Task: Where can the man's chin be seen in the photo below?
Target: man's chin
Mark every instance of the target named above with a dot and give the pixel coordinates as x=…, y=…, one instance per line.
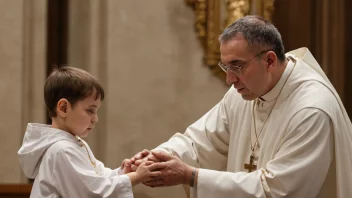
x=248, y=97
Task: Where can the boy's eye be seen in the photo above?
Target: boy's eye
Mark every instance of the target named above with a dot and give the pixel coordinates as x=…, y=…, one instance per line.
x=91, y=111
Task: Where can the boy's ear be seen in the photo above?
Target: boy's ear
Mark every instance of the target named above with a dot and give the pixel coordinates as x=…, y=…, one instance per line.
x=62, y=107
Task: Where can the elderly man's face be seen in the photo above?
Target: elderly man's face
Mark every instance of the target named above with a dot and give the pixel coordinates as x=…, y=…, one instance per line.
x=254, y=77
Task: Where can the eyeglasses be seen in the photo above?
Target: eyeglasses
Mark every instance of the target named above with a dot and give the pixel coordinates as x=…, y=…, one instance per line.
x=237, y=68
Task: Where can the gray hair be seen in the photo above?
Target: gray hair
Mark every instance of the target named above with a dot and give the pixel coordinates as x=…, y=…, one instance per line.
x=258, y=32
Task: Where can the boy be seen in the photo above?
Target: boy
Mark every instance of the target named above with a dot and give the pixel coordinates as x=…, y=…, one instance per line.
x=60, y=161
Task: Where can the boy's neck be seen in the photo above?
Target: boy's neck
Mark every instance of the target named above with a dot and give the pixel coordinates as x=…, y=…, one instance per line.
x=58, y=124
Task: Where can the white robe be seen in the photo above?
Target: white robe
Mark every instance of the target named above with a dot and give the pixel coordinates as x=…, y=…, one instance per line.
x=304, y=146
x=62, y=168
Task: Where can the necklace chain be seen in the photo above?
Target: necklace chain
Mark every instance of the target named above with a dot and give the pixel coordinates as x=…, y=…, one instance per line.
x=84, y=145
x=267, y=118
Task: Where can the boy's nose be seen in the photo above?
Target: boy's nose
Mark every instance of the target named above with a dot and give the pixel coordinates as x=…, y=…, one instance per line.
x=95, y=119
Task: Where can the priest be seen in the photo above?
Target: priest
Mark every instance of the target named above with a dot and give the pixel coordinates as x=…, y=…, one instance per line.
x=280, y=131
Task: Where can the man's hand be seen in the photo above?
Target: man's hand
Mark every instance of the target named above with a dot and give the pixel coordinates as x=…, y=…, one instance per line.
x=173, y=171
x=141, y=157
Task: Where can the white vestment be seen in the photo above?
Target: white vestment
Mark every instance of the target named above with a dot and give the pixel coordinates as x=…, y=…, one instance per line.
x=305, y=145
x=61, y=167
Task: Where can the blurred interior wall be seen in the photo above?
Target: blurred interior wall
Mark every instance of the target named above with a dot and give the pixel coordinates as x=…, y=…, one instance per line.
x=22, y=57
x=322, y=26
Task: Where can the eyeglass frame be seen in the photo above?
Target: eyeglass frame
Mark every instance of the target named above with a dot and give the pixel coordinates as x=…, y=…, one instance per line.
x=238, y=69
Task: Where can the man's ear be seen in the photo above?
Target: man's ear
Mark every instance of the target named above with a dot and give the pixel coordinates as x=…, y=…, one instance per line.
x=271, y=60
x=62, y=107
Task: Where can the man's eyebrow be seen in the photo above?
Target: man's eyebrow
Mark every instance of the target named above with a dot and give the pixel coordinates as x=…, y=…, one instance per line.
x=235, y=62
x=95, y=106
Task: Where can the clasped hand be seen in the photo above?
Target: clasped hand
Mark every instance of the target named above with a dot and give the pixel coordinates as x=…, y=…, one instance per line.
x=173, y=170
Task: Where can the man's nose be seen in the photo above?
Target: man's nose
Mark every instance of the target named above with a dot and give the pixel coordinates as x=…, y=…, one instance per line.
x=231, y=77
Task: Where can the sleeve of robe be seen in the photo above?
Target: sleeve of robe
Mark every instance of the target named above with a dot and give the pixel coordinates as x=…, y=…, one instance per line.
x=298, y=169
x=74, y=177
x=107, y=172
x=104, y=171
x=205, y=142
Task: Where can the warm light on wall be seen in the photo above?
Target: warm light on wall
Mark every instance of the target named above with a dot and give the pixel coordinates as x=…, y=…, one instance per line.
x=212, y=16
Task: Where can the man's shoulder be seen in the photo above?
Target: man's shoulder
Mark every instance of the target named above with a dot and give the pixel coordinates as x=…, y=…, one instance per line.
x=314, y=94
x=318, y=90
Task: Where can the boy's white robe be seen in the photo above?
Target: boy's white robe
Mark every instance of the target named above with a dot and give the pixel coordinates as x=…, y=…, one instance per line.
x=305, y=145
x=62, y=168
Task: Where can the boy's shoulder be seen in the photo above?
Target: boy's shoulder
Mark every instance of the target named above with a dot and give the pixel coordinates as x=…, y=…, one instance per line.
x=63, y=147
x=68, y=152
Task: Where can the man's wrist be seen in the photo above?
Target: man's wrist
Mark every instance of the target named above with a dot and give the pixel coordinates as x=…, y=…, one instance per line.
x=192, y=181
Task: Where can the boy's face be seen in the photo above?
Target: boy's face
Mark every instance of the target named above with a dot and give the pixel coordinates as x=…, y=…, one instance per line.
x=82, y=117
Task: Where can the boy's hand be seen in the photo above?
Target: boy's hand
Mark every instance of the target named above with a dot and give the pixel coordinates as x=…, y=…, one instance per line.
x=131, y=165
x=126, y=166
x=145, y=172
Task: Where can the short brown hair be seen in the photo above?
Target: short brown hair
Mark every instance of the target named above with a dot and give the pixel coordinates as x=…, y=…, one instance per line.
x=71, y=83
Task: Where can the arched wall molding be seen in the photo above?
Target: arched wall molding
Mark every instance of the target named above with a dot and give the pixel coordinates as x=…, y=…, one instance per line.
x=212, y=16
